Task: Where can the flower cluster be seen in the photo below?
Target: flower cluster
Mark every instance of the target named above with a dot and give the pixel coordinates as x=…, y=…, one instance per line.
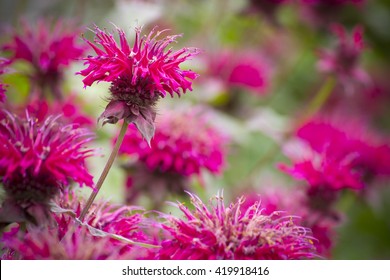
x=228, y=233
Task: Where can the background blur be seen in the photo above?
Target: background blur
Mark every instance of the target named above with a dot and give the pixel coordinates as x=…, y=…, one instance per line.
x=285, y=42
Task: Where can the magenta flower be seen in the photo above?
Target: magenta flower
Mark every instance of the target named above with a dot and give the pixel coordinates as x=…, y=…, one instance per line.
x=248, y=70
x=219, y=232
x=297, y=203
x=94, y=240
x=184, y=144
x=341, y=155
x=139, y=75
x=45, y=244
x=48, y=49
x=39, y=160
x=343, y=61
x=69, y=108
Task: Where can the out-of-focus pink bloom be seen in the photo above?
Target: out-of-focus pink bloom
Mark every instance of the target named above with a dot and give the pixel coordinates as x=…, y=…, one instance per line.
x=49, y=48
x=139, y=75
x=220, y=232
x=343, y=60
x=349, y=138
x=69, y=108
x=248, y=70
x=322, y=172
x=108, y=232
x=40, y=159
x=46, y=244
x=344, y=156
x=184, y=143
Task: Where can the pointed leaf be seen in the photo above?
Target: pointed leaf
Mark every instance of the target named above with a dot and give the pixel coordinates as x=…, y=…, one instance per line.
x=145, y=124
x=115, y=111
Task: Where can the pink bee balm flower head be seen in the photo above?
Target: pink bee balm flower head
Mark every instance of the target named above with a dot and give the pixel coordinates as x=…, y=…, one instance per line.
x=294, y=202
x=220, y=232
x=184, y=143
x=340, y=154
x=123, y=221
x=139, y=75
x=109, y=232
x=45, y=243
x=69, y=107
x=39, y=160
x=342, y=61
x=248, y=70
x=49, y=48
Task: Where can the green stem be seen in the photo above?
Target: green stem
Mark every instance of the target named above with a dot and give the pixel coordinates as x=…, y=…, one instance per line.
x=105, y=170
x=320, y=98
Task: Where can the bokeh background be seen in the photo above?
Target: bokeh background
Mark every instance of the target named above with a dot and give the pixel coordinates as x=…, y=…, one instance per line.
x=282, y=41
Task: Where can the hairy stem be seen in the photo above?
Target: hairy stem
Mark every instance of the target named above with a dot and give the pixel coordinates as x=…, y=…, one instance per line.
x=105, y=171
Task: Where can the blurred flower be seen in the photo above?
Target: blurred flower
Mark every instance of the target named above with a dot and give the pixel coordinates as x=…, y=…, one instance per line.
x=48, y=48
x=185, y=143
x=219, y=232
x=39, y=160
x=247, y=69
x=69, y=108
x=3, y=63
x=343, y=60
x=94, y=240
x=139, y=75
x=341, y=155
x=124, y=221
x=44, y=243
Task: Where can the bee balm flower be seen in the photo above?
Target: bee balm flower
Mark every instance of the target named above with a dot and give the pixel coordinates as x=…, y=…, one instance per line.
x=139, y=75
x=49, y=48
x=219, y=232
x=38, y=160
x=184, y=145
